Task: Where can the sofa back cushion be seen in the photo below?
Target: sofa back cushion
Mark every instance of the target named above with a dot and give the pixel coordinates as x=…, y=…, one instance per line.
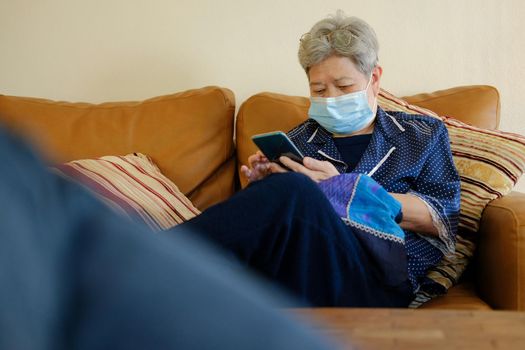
x=189, y=135
x=477, y=105
x=262, y=113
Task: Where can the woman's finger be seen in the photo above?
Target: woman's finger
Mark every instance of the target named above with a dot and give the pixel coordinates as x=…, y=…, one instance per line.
x=292, y=165
x=326, y=169
x=248, y=173
x=276, y=168
x=297, y=167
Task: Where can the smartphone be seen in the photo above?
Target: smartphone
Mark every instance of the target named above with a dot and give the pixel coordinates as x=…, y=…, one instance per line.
x=276, y=144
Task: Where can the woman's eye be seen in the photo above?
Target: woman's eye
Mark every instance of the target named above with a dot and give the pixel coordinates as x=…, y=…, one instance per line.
x=319, y=92
x=345, y=87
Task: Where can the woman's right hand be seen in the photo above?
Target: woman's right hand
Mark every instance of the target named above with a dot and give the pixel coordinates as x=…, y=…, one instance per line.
x=259, y=167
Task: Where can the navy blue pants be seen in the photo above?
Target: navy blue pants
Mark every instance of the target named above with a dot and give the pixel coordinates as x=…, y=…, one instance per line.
x=74, y=275
x=285, y=228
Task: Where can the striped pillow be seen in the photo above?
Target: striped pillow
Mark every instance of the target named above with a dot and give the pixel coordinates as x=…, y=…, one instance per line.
x=489, y=164
x=133, y=186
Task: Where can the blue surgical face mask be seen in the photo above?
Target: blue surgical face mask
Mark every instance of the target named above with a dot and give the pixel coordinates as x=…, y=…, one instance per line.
x=344, y=114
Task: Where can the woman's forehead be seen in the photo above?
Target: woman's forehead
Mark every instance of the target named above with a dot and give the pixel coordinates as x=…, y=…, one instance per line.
x=334, y=68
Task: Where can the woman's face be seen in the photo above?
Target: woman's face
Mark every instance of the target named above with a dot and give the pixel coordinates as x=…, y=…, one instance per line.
x=337, y=75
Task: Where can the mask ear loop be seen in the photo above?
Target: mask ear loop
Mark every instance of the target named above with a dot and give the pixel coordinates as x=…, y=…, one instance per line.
x=369, y=81
x=366, y=89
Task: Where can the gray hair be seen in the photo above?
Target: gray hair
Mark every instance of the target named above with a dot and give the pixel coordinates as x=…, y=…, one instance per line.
x=343, y=36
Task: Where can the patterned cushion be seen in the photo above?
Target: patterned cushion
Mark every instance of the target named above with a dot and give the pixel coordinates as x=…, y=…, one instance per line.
x=133, y=185
x=489, y=163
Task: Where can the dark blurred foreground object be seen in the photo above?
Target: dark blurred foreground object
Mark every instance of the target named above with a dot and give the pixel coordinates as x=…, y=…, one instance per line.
x=75, y=275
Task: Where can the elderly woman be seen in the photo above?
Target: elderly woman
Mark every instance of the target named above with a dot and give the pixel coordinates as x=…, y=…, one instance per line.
x=334, y=241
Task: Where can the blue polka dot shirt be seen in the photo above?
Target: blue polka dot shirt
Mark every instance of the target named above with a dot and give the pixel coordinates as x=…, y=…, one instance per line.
x=407, y=154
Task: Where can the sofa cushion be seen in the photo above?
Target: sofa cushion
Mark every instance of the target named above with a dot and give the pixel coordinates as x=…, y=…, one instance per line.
x=189, y=135
x=477, y=105
x=134, y=186
x=265, y=112
x=460, y=297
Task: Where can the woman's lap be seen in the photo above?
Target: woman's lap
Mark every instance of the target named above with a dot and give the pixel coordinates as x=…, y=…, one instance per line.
x=285, y=228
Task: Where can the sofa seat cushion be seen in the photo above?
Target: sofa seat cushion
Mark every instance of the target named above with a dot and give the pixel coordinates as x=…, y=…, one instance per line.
x=189, y=135
x=462, y=296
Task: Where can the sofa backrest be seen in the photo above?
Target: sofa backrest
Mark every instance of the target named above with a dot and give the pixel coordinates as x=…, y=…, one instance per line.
x=189, y=135
x=477, y=105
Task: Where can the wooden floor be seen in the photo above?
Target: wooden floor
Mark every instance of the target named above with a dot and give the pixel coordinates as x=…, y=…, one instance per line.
x=420, y=329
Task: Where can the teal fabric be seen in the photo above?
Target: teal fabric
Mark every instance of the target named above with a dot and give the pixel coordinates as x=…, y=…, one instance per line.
x=373, y=215
x=374, y=208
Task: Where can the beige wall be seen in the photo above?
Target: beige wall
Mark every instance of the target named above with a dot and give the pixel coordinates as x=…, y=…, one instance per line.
x=103, y=50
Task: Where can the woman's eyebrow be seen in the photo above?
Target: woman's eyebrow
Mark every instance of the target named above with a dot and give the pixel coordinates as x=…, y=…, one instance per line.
x=336, y=80
x=344, y=78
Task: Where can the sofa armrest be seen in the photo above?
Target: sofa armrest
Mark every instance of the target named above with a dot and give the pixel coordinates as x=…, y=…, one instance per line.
x=500, y=270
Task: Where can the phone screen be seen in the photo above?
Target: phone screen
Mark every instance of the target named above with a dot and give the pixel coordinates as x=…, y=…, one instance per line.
x=276, y=144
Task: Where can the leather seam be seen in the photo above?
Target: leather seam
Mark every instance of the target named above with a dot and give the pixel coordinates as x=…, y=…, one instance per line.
x=259, y=96
x=448, y=95
x=126, y=104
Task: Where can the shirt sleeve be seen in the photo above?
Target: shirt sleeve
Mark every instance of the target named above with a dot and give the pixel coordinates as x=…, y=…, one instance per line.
x=438, y=185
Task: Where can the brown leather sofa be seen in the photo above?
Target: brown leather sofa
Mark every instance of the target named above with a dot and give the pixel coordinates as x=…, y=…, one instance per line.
x=190, y=135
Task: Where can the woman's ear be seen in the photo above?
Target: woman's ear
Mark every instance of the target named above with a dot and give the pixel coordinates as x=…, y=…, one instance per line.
x=377, y=72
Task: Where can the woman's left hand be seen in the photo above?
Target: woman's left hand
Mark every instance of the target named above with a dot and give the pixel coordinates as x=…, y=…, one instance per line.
x=317, y=170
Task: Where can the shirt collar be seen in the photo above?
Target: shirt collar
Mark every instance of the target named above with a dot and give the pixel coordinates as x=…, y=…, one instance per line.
x=387, y=125
x=318, y=134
